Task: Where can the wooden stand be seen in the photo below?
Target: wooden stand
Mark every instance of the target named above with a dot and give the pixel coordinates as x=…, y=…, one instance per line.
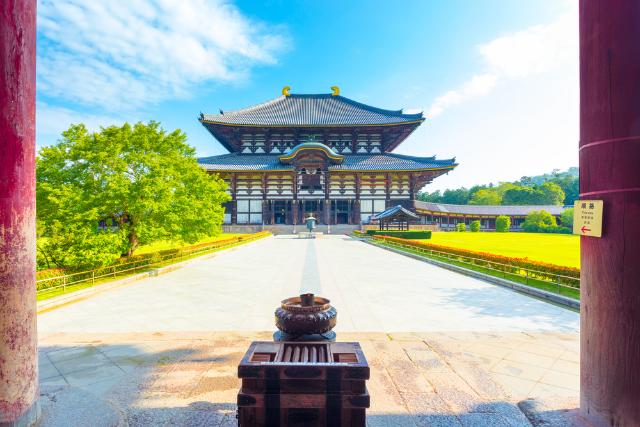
x=303, y=384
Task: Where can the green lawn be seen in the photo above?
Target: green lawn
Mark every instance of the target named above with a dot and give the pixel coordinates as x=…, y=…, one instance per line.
x=559, y=249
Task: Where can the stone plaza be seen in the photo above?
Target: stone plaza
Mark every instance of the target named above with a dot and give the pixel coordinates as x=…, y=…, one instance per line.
x=444, y=348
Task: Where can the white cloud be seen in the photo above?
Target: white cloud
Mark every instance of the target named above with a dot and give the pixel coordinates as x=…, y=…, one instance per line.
x=538, y=49
x=52, y=120
x=478, y=85
x=124, y=55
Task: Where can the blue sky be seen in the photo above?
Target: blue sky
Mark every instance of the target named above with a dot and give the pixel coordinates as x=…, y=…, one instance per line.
x=498, y=80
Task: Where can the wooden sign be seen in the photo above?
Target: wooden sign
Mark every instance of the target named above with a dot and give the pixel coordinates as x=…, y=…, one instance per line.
x=587, y=218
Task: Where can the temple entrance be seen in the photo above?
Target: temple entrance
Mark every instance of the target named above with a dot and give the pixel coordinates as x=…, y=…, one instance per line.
x=341, y=211
x=311, y=207
x=280, y=208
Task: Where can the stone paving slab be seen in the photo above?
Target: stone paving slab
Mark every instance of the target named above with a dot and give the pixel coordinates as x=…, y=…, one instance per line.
x=373, y=290
x=421, y=379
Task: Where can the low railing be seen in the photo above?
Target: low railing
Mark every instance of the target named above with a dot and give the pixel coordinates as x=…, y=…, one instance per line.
x=561, y=284
x=90, y=277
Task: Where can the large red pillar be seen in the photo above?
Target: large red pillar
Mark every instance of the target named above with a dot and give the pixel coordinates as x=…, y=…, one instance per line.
x=18, y=339
x=610, y=170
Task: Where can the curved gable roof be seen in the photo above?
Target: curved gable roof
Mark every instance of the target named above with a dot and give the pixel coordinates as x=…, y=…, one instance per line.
x=311, y=110
x=293, y=152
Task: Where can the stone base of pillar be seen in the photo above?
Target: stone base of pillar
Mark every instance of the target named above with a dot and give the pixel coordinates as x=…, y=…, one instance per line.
x=28, y=419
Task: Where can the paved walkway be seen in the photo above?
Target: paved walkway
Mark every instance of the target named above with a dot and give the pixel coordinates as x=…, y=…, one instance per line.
x=373, y=290
x=445, y=349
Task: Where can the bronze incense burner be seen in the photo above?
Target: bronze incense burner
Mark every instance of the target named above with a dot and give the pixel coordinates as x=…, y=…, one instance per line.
x=306, y=316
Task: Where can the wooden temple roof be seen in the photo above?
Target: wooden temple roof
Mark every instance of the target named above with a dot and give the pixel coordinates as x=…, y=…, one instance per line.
x=320, y=110
x=352, y=162
x=493, y=210
x=395, y=212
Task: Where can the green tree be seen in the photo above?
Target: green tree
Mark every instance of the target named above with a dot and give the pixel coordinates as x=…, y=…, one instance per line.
x=570, y=186
x=461, y=226
x=552, y=194
x=475, y=226
x=566, y=219
x=142, y=179
x=486, y=196
x=503, y=223
x=538, y=221
x=434, y=197
x=458, y=196
x=521, y=196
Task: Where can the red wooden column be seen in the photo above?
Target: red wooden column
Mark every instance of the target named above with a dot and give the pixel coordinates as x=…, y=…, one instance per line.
x=610, y=170
x=18, y=338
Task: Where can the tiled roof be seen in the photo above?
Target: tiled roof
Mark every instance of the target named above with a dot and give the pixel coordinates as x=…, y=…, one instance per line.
x=311, y=110
x=516, y=210
x=360, y=162
x=391, y=161
x=389, y=213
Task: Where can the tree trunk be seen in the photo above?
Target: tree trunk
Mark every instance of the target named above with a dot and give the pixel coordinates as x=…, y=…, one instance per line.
x=133, y=242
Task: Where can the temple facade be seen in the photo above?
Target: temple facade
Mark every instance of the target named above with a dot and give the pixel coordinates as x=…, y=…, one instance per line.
x=323, y=155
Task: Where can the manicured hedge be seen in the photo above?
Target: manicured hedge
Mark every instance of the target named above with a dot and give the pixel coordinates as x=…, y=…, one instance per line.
x=411, y=234
x=513, y=265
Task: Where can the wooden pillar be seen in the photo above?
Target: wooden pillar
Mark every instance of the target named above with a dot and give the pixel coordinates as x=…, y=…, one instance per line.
x=387, y=190
x=609, y=171
x=357, y=216
x=412, y=186
x=273, y=211
x=18, y=337
x=327, y=198
x=234, y=201
x=265, y=205
x=294, y=203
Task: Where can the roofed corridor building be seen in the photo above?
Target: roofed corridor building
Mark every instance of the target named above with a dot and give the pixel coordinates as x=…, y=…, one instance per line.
x=323, y=155
x=445, y=216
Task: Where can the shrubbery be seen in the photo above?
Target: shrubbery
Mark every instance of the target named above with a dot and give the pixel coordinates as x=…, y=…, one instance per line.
x=566, y=219
x=475, y=226
x=543, y=222
x=461, y=226
x=545, y=270
x=503, y=224
x=411, y=234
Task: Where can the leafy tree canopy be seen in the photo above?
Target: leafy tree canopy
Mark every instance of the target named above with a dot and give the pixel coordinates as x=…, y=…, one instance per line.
x=486, y=196
x=555, y=188
x=139, y=182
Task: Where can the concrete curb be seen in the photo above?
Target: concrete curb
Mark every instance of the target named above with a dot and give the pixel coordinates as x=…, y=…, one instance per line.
x=59, y=301
x=566, y=302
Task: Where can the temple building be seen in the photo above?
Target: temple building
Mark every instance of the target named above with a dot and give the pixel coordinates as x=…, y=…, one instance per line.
x=323, y=155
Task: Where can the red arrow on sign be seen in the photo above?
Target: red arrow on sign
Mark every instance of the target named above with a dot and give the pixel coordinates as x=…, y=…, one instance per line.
x=584, y=229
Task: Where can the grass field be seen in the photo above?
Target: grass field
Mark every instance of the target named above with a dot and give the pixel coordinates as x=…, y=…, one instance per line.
x=559, y=249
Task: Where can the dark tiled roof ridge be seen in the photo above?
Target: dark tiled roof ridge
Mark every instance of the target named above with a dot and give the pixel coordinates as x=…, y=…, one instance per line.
x=350, y=155
x=486, y=209
x=398, y=113
x=249, y=108
x=278, y=104
x=420, y=158
x=372, y=161
x=392, y=211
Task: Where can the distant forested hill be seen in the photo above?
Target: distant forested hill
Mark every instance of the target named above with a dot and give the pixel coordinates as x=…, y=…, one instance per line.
x=554, y=188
